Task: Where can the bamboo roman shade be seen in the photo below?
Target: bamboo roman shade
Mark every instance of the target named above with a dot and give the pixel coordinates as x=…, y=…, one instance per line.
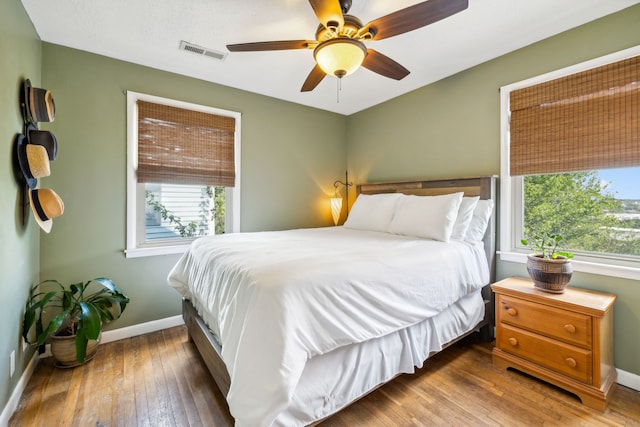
x=585, y=121
x=179, y=146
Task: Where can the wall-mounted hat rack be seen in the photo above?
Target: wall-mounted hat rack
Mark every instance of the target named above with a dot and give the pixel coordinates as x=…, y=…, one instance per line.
x=35, y=149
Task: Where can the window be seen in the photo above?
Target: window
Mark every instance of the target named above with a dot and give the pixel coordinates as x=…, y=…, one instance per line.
x=183, y=174
x=597, y=212
x=571, y=161
x=174, y=211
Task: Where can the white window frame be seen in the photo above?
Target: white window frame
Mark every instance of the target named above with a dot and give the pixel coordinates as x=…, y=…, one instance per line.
x=511, y=188
x=136, y=247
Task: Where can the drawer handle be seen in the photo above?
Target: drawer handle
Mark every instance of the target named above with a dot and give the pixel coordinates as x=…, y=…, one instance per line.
x=511, y=311
x=513, y=341
x=570, y=328
x=571, y=362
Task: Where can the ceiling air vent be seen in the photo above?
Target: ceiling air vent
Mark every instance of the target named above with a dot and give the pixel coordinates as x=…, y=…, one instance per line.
x=199, y=50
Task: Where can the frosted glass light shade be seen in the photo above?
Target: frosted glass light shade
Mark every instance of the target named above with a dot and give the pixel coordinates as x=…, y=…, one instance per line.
x=340, y=57
x=336, y=209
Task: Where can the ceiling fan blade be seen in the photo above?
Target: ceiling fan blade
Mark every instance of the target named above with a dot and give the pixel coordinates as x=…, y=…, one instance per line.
x=413, y=17
x=276, y=45
x=329, y=12
x=383, y=65
x=315, y=76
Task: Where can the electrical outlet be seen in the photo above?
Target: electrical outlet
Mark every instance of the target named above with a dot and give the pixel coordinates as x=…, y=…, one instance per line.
x=12, y=364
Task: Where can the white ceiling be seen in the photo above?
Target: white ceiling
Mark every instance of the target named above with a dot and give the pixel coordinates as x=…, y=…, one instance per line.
x=148, y=32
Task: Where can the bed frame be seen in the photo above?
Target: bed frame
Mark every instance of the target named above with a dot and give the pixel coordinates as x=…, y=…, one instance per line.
x=485, y=187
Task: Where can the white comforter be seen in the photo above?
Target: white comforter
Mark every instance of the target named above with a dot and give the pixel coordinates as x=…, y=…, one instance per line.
x=276, y=299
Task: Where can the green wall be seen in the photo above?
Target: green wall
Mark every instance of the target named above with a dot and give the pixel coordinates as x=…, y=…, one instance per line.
x=290, y=157
x=19, y=247
x=452, y=128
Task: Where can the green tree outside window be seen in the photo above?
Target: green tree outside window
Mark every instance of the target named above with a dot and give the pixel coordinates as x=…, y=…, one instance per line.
x=578, y=206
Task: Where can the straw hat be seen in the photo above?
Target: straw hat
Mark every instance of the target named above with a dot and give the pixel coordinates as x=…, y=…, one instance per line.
x=46, y=205
x=33, y=160
x=40, y=103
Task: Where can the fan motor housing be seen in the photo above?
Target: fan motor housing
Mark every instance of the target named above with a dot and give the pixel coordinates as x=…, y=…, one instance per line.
x=350, y=29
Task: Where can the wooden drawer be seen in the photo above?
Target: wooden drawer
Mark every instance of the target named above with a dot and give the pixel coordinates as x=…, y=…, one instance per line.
x=569, y=360
x=570, y=327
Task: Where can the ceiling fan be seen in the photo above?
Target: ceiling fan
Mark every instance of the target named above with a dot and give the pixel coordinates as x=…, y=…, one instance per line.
x=339, y=47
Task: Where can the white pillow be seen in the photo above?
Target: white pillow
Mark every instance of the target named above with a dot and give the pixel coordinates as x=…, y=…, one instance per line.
x=480, y=221
x=372, y=212
x=465, y=214
x=430, y=217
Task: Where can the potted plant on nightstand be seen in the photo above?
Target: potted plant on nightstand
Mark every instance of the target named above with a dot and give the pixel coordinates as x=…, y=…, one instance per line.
x=77, y=314
x=549, y=268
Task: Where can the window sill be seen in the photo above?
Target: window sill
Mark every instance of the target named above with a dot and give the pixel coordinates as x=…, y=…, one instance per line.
x=155, y=250
x=612, y=270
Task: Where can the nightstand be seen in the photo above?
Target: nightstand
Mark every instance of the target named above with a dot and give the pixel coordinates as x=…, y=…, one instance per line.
x=564, y=339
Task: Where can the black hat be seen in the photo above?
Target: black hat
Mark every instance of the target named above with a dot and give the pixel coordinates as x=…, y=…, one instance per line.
x=45, y=138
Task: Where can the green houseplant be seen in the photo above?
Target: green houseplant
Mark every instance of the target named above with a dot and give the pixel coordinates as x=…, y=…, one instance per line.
x=77, y=313
x=549, y=268
x=546, y=244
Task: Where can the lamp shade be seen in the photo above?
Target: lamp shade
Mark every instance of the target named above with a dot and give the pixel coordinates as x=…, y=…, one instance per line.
x=336, y=209
x=340, y=57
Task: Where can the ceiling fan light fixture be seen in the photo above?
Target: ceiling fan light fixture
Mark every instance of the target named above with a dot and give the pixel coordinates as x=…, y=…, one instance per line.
x=339, y=45
x=340, y=56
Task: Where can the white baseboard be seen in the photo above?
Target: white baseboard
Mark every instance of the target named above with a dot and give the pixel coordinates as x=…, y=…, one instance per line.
x=14, y=400
x=141, y=328
x=132, y=331
x=628, y=379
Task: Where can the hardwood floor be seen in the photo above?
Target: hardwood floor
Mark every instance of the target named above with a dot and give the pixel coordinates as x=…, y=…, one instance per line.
x=159, y=380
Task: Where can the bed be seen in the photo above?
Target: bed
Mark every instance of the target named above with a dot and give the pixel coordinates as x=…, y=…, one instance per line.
x=295, y=325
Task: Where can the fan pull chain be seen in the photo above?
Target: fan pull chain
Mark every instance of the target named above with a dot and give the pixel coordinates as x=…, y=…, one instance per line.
x=338, y=89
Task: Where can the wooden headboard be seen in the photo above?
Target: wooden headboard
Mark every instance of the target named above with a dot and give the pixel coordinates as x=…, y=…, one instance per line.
x=483, y=186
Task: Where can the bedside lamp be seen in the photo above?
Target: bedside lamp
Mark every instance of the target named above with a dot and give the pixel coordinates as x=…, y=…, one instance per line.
x=336, y=209
x=336, y=201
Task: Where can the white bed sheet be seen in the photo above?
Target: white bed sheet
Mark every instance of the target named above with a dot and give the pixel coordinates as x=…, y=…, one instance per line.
x=334, y=380
x=282, y=298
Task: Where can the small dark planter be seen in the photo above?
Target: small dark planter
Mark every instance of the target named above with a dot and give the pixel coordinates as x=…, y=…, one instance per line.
x=549, y=275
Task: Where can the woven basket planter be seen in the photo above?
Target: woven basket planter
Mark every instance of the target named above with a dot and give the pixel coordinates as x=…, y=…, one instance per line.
x=549, y=275
x=63, y=349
